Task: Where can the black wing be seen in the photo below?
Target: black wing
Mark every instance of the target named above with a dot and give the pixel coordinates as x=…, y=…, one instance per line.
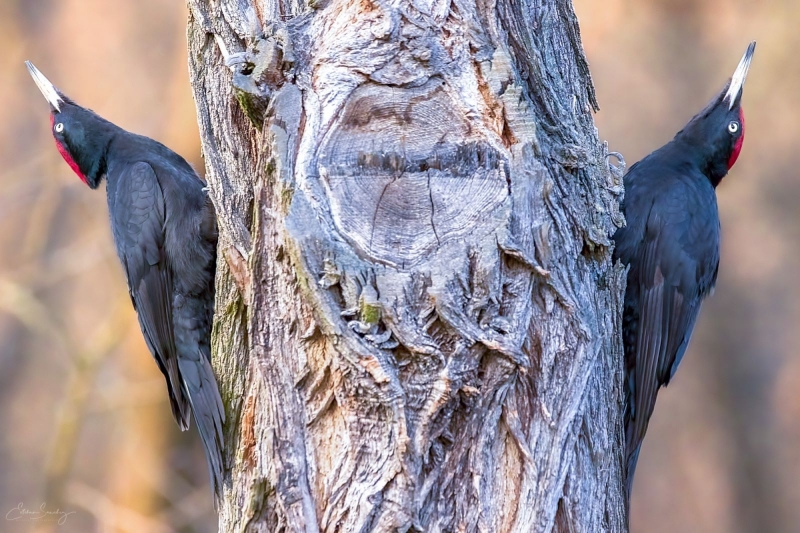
x=137, y=219
x=673, y=265
x=667, y=313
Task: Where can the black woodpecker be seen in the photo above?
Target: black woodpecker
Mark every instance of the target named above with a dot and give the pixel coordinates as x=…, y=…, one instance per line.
x=165, y=232
x=671, y=243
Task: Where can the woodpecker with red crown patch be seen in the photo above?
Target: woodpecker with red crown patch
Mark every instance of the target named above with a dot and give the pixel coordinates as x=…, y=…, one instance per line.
x=165, y=232
x=671, y=243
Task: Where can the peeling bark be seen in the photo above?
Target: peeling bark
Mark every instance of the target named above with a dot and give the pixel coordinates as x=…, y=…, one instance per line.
x=417, y=315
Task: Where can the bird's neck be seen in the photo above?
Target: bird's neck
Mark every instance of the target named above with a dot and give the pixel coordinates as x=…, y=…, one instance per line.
x=715, y=171
x=93, y=162
x=713, y=166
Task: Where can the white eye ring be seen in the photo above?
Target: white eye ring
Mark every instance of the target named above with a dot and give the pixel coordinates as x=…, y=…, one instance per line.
x=733, y=126
x=59, y=127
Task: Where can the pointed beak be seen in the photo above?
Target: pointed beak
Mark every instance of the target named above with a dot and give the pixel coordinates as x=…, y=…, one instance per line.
x=49, y=90
x=734, y=92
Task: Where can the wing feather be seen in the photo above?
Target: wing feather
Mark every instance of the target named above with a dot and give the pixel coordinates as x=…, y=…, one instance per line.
x=138, y=223
x=668, y=308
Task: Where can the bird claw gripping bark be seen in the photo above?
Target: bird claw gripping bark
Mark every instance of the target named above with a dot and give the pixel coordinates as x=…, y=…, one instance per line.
x=617, y=171
x=260, y=70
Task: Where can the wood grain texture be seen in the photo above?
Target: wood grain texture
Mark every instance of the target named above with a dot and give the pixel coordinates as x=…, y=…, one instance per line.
x=421, y=328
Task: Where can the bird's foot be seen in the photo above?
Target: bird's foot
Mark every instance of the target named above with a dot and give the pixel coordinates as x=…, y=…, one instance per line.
x=617, y=171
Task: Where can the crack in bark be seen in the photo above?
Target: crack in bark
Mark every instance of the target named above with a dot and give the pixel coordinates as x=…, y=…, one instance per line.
x=433, y=210
x=377, y=208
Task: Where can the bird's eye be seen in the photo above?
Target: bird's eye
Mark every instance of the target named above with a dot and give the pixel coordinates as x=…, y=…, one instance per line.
x=733, y=126
x=59, y=127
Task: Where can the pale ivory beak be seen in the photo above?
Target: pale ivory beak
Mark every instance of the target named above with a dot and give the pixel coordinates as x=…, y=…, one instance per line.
x=739, y=76
x=48, y=89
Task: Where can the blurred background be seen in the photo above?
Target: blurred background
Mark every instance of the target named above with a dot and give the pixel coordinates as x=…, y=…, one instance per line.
x=85, y=424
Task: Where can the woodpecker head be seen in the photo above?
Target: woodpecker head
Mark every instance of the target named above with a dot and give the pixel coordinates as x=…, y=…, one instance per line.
x=716, y=134
x=82, y=137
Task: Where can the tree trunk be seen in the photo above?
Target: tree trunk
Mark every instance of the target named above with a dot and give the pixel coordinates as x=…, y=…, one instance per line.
x=417, y=313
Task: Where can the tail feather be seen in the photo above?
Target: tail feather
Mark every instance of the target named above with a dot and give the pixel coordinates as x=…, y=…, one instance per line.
x=633, y=458
x=209, y=414
x=193, y=310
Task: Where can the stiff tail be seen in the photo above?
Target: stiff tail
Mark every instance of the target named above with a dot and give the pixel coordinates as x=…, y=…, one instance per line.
x=200, y=386
x=633, y=458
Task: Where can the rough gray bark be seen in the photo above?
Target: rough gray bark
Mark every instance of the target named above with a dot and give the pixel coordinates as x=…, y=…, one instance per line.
x=417, y=314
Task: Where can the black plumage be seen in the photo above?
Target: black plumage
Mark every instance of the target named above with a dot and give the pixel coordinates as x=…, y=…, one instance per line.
x=671, y=244
x=164, y=228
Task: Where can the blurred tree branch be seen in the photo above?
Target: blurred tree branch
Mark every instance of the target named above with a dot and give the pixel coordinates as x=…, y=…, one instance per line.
x=87, y=361
x=19, y=302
